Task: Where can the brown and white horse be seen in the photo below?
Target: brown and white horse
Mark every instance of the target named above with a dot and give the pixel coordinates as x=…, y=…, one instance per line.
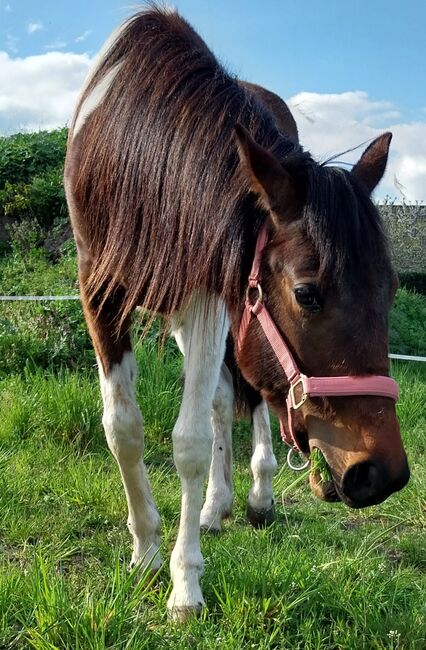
x=173, y=168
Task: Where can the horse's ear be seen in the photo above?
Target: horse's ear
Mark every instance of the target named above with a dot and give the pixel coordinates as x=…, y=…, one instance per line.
x=266, y=177
x=372, y=164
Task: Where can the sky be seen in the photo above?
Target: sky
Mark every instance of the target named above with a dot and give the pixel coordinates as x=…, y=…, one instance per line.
x=349, y=70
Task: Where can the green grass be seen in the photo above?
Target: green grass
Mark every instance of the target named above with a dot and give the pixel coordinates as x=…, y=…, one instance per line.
x=322, y=576
x=407, y=326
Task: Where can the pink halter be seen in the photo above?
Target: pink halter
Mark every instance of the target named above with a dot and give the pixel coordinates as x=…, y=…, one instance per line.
x=300, y=383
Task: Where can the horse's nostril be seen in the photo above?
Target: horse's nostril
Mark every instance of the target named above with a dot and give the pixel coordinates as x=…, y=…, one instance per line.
x=364, y=482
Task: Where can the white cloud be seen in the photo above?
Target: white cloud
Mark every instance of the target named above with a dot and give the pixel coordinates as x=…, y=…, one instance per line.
x=83, y=36
x=39, y=92
x=332, y=123
x=34, y=26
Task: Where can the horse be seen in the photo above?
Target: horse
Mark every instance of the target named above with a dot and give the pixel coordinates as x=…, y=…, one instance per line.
x=191, y=198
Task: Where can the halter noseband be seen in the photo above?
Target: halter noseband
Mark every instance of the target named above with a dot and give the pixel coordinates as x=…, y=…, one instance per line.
x=301, y=387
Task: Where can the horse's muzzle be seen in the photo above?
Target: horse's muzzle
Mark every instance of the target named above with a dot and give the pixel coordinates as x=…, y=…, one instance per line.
x=369, y=482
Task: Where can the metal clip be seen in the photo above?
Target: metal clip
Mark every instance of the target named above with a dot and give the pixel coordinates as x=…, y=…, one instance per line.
x=257, y=288
x=300, y=464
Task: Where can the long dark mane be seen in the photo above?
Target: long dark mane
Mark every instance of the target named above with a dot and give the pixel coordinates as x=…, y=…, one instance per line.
x=164, y=207
x=161, y=200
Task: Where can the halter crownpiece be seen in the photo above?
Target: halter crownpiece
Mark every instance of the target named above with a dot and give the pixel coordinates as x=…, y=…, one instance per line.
x=301, y=386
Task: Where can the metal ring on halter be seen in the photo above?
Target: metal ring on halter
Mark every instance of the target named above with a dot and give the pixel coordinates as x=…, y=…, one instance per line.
x=292, y=453
x=257, y=288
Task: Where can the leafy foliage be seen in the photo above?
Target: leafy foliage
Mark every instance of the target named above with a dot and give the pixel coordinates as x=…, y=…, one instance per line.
x=31, y=170
x=25, y=155
x=413, y=281
x=406, y=227
x=407, y=329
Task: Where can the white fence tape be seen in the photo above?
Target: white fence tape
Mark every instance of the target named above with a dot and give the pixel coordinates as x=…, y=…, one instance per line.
x=406, y=357
x=399, y=357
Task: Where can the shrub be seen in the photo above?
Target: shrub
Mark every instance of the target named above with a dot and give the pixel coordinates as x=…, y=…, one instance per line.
x=25, y=155
x=31, y=185
x=407, y=327
x=413, y=281
x=43, y=335
x=406, y=227
x=25, y=237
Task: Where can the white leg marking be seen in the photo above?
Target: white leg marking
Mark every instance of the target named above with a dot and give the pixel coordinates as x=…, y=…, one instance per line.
x=202, y=332
x=122, y=422
x=218, y=503
x=95, y=98
x=263, y=464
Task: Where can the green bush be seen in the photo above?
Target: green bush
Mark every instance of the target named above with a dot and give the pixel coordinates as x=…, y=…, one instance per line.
x=406, y=227
x=31, y=173
x=25, y=237
x=413, y=281
x=30, y=271
x=25, y=155
x=49, y=335
x=42, y=199
x=407, y=327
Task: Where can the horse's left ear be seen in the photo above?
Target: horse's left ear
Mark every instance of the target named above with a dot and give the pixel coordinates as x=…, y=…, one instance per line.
x=372, y=164
x=265, y=174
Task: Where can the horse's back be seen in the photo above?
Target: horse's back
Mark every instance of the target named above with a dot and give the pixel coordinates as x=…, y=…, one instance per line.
x=277, y=107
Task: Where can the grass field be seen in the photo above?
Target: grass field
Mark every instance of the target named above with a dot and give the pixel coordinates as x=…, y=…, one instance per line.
x=322, y=576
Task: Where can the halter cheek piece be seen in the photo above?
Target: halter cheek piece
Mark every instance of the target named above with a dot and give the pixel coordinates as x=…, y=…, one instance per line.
x=301, y=387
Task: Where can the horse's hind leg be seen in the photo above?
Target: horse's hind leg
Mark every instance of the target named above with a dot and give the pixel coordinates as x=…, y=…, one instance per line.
x=218, y=503
x=260, y=505
x=122, y=421
x=201, y=334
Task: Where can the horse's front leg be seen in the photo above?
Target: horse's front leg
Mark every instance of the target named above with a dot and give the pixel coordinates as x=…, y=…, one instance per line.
x=260, y=505
x=218, y=503
x=201, y=334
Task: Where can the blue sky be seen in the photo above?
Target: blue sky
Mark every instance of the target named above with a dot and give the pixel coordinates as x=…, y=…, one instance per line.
x=290, y=46
x=321, y=54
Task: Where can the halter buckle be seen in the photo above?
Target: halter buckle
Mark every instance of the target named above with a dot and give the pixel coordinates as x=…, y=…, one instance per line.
x=296, y=405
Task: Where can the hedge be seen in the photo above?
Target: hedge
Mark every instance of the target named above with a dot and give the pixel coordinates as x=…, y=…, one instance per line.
x=413, y=281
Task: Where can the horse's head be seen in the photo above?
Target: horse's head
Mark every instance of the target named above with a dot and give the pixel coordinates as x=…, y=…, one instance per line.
x=328, y=283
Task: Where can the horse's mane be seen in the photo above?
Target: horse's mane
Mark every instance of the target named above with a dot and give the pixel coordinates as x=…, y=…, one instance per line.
x=158, y=188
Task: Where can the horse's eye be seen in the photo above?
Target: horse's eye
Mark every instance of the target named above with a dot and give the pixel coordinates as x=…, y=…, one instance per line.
x=308, y=297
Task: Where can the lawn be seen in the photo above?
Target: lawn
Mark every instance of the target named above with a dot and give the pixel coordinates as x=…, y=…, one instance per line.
x=322, y=577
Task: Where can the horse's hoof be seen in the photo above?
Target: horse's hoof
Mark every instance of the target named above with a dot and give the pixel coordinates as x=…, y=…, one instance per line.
x=146, y=571
x=261, y=518
x=210, y=530
x=186, y=613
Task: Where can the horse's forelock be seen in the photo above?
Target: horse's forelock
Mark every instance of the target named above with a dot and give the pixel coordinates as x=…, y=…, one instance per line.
x=343, y=224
